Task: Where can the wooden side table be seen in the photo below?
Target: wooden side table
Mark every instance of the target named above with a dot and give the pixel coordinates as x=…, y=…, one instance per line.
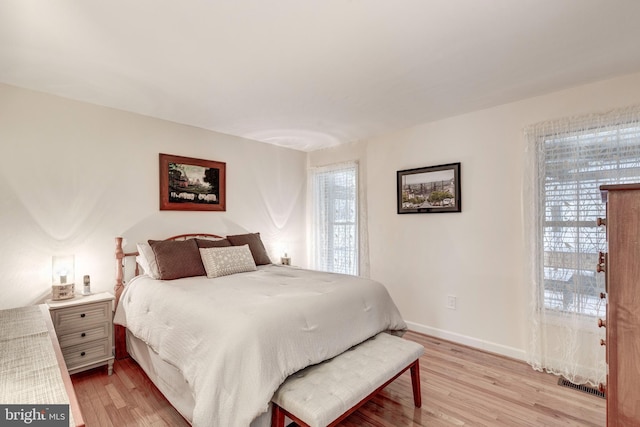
x=84, y=326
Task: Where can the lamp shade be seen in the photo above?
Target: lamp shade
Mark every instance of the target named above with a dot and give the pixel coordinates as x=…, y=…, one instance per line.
x=63, y=271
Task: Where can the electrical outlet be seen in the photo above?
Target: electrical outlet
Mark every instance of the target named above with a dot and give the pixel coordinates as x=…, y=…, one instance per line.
x=451, y=302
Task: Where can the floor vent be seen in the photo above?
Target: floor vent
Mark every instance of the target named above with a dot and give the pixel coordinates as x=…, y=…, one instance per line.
x=583, y=388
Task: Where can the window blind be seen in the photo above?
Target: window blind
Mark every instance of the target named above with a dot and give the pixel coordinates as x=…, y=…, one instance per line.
x=576, y=164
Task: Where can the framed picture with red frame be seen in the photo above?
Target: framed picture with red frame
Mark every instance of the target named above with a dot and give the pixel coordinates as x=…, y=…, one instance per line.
x=189, y=184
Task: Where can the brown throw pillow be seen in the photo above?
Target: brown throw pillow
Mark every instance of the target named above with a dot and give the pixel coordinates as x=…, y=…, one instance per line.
x=256, y=246
x=205, y=243
x=176, y=259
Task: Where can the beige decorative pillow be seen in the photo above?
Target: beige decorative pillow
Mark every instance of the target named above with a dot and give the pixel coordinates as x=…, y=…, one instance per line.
x=225, y=261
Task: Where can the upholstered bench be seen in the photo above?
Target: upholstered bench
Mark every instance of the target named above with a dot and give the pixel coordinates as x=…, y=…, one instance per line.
x=325, y=394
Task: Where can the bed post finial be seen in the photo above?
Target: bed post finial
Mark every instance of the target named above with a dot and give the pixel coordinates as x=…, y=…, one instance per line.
x=119, y=286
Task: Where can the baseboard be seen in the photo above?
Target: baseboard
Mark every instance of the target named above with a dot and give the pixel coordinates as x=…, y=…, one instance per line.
x=504, y=350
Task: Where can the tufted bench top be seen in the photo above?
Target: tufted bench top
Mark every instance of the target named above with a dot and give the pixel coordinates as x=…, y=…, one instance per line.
x=329, y=391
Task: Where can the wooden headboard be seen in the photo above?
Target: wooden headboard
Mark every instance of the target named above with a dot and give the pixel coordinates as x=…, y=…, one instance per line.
x=121, y=255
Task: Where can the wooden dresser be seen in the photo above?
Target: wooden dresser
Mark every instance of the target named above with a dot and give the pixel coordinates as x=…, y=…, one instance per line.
x=622, y=267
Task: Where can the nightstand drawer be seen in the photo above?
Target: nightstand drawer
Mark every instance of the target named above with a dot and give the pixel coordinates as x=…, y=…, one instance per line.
x=86, y=353
x=74, y=318
x=80, y=336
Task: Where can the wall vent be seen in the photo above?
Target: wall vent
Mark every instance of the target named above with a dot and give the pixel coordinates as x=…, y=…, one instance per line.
x=581, y=387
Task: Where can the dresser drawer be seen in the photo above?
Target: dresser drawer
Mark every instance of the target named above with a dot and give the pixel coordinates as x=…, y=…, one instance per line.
x=78, y=317
x=85, y=353
x=80, y=336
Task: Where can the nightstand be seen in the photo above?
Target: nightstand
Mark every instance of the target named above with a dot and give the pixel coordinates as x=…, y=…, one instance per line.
x=84, y=326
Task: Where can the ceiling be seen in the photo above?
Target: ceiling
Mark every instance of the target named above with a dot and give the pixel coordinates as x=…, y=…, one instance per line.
x=309, y=74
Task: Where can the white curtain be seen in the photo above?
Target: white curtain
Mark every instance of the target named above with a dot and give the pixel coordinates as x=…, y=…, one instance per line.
x=339, y=223
x=566, y=162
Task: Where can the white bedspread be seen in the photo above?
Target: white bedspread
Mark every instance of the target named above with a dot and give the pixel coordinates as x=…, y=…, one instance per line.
x=237, y=338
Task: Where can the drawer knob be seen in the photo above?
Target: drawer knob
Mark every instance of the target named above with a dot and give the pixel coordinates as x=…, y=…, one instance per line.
x=83, y=335
x=83, y=353
x=603, y=342
x=602, y=323
x=603, y=295
x=601, y=221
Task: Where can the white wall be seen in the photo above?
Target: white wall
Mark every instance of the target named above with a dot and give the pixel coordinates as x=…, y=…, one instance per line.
x=476, y=255
x=75, y=175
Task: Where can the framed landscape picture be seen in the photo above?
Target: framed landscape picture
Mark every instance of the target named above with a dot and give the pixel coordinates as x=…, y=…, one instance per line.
x=431, y=189
x=188, y=184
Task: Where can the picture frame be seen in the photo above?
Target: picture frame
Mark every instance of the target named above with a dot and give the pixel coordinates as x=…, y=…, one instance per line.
x=190, y=184
x=431, y=189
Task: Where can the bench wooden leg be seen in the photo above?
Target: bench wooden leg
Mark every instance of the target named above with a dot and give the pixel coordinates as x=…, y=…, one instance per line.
x=415, y=383
x=277, y=416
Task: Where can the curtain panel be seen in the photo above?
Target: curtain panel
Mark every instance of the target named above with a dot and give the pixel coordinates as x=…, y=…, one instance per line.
x=339, y=222
x=566, y=161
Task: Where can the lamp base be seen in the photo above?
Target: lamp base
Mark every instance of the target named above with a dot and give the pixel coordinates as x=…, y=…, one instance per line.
x=59, y=292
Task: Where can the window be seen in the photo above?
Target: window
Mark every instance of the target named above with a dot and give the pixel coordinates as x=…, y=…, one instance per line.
x=576, y=163
x=335, y=213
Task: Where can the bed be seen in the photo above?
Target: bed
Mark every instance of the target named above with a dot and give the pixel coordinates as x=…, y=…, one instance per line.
x=219, y=345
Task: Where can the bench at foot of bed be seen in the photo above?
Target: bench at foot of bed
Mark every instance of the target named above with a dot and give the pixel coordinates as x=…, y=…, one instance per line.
x=325, y=394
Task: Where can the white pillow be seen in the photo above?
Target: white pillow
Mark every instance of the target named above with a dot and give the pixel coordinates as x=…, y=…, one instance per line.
x=147, y=260
x=225, y=261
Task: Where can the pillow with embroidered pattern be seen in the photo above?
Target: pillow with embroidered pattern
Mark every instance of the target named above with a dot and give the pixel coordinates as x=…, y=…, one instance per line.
x=225, y=261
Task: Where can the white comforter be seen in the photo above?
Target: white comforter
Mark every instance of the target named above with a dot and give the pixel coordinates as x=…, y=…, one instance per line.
x=236, y=338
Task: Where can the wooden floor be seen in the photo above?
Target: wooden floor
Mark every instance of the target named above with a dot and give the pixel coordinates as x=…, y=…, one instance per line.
x=460, y=387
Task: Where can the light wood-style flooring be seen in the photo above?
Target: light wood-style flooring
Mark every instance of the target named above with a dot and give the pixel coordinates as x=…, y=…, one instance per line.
x=461, y=386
